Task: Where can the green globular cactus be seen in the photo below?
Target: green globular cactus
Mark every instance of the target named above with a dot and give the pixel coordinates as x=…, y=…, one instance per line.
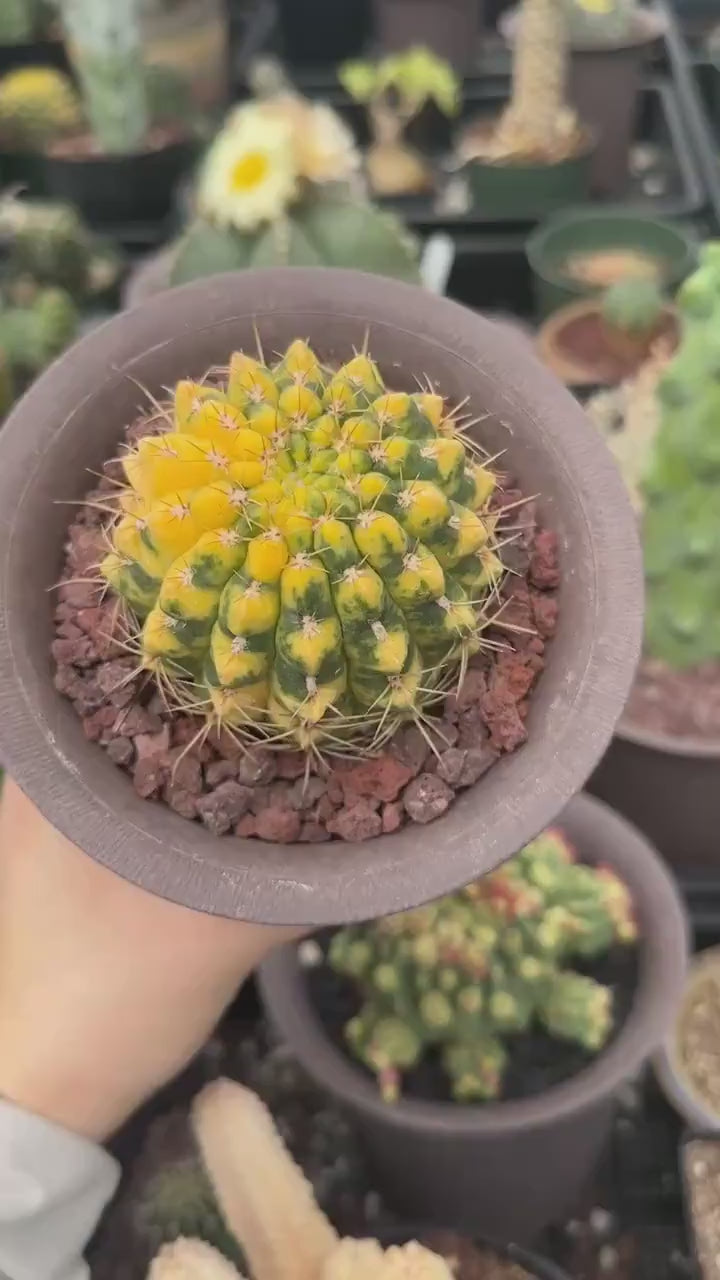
x=31, y=335
x=47, y=241
x=331, y=229
x=307, y=555
x=599, y=21
x=633, y=306
x=464, y=974
x=178, y=1201
x=19, y=21
x=37, y=106
x=681, y=531
x=105, y=43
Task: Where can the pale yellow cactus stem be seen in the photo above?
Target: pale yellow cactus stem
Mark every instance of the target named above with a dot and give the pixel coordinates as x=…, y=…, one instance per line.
x=536, y=119
x=265, y=1199
x=191, y=1260
x=365, y=1260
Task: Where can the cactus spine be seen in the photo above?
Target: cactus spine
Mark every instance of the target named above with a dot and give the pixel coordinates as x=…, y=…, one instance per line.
x=469, y=970
x=682, y=513
x=37, y=105
x=309, y=555
x=106, y=47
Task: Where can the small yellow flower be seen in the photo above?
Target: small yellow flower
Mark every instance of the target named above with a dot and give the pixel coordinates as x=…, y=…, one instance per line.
x=249, y=175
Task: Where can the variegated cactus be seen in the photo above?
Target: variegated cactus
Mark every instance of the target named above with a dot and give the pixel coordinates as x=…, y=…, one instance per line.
x=308, y=556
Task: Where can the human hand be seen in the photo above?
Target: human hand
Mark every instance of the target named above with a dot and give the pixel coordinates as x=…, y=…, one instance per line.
x=106, y=992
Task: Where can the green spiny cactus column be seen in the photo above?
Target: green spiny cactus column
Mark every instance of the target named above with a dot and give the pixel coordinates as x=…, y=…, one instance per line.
x=464, y=973
x=682, y=488
x=533, y=122
x=309, y=556
x=106, y=48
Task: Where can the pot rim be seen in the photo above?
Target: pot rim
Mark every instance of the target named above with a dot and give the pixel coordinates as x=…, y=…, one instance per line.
x=653, y=740
x=606, y=216
x=649, y=25
x=672, y=1080
x=589, y=142
x=660, y=985
x=93, y=803
x=574, y=373
x=184, y=143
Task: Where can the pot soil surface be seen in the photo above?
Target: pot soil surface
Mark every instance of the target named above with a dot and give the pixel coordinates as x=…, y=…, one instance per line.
x=582, y=341
x=271, y=794
x=537, y=1061
x=600, y=268
x=677, y=704
x=80, y=146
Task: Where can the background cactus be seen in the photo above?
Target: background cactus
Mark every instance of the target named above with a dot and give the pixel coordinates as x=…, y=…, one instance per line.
x=179, y=1201
x=49, y=242
x=601, y=21
x=633, y=306
x=105, y=43
x=537, y=123
x=466, y=972
x=37, y=105
x=311, y=557
x=682, y=513
x=36, y=328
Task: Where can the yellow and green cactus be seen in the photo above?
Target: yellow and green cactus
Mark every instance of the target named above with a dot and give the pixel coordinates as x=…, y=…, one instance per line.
x=308, y=555
x=37, y=105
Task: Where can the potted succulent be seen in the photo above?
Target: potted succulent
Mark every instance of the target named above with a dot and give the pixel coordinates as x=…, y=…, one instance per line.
x=449, y=1033
x=50, y=244
x=580, y=252
x=451, y=28
x=686, y=1063
x=240, y=813
x=138, y=136
x=278, y=185
x=191, y=39
x=28, y=35
x=537, y=156
x=394, y=91
x=36, y=324
x=608, y=46
x=38, y=105
x=602, y=341
x=254, y=1213
x=661, y=770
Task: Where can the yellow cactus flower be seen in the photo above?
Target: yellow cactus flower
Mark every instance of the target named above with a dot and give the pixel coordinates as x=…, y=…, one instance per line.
x=249, y=175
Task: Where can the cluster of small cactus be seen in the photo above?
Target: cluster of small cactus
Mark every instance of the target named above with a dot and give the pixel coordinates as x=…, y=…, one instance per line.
x=307, y=556
x=49, y=242
x=37, y=106
x=179, y=1201
x=36, y=324
x=600, y=21
x=681, y=531
x=105, y=42
x=269, y=1208
x=462, y=974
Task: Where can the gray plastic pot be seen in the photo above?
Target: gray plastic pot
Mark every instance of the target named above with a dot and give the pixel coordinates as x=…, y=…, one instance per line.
x=509, y=1169
x=72, y=419
x=670, y=788
x=603, y=87
x=678, y=1090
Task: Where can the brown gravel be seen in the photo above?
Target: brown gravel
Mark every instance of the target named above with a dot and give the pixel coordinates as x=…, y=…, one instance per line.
x=468, y=1261
x=270, y=795
x=699, y=1037
x=702, y=1174
x=680, y=704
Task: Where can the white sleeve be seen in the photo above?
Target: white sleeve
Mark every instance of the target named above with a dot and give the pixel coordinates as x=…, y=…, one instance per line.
x=54, y=1186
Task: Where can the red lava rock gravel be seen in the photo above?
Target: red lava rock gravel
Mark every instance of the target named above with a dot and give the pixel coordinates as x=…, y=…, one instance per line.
x=266, y=795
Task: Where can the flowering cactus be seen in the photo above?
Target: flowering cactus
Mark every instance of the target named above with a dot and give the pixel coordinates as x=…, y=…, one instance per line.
x=465, y=972
x=307, y=555
x=600, y=21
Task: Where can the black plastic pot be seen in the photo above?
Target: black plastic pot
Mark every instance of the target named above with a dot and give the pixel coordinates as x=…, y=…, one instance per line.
x=585, y=230
x=318, y=32
x=115, y=190
x=603, y=86
x=34, y=53
x=671, y=790
x=510, y=191
x=451, y=28
x=509, y=1169
x=24, y=169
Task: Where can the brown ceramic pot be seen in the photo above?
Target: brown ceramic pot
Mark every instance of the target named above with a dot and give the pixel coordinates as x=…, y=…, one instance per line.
x=509, y=1169
x=72, y=419
x=451, y=28
x=671, y=789
x=604, y=357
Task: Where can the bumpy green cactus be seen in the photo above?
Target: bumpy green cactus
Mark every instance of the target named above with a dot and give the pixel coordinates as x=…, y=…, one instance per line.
x=467, y=971
x=682, y=512
x=179, y=1201
x=633, y=306
x=599, y=21
x=47, y=241
x=105, y=43
x=37, y=105
x=33, y=333
x=332, y=229
x=310, y=555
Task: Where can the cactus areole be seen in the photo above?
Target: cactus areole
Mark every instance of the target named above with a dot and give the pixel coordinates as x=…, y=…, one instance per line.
x=306, y=550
